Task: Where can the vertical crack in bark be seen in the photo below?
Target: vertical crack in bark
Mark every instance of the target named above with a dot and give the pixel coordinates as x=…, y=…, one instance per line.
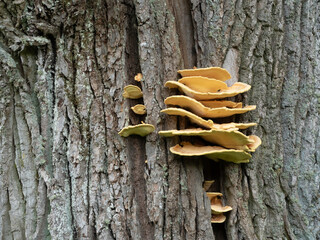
x=135, y=144
x=185, y=29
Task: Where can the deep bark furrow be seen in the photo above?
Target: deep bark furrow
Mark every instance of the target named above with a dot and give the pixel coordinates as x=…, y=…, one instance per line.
x=184, y=25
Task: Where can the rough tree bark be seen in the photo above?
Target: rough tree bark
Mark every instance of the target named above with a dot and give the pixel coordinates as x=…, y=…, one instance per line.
x=66, y=174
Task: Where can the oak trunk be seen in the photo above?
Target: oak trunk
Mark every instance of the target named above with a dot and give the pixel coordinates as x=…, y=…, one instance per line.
x=66, y=174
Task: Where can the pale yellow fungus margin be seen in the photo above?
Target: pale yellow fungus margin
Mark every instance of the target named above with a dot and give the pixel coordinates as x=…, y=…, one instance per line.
x=206, y=123
x=256, y=142
x=139, y=109
x=217, y=104
x=132, y=92
x=234, y=90
x=203, y=84
x=226, y=138
x=211, y=72
x=194, y=118
x=215, y=153
x=140, y=129
x=203, y=111
x=138, y=77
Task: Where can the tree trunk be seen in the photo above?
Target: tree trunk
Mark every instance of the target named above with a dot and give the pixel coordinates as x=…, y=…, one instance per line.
x=65, y=173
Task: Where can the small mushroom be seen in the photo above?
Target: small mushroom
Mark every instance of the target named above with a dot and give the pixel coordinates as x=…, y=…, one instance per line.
x=220, y=218
x=226, y=138
x=140, y=129
x=216, y=204
x=206, y=123
x=203, y=84
x=203, y=111
x=212, y=152
x=211, y=72
x=234, y=90
x=138, y=77
x=139, y=109
x=256, y=142
x=132, y=92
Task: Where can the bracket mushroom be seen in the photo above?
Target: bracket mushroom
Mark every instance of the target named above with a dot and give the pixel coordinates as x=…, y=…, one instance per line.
x=203, y=111
x=215, y=153
x=132, y=92
x=211, y=72
x=139, y=109
x=140, y=129
x=234, y=90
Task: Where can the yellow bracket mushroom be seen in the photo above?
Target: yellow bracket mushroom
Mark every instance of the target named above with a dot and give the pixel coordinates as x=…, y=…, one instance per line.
x=139, y=109
x=212, y=152
x=234, y=90
x=217, y=208
x=203, y=111
x=216, y=203
x=220, y=218
x=132, y=92
x=225, y=138
x=203, y=84
x=206, y=123
x=217, y=104
x=140, y=129
x=211, y=72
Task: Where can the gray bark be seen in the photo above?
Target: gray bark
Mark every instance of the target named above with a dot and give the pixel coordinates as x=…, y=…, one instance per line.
x=66, y=174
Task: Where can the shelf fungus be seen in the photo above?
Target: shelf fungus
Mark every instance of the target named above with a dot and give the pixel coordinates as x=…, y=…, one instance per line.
x=220, y=218
x=140, y=129
x=215, y=153
x=203, y=84
x=139, y=109
x=211, y=72
x=206, y=123
x=232, y=139
x=217, y=208
x=132, y=92
x=234, y=90
x=217, y=104
x=203, y=111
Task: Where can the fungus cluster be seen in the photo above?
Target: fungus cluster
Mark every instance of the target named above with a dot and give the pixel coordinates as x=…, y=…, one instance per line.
x=204, y=88
x=134, y=92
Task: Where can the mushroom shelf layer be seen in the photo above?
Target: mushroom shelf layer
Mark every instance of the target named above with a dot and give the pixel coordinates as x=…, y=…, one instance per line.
x=203, y=111
x=217, y=104
x=206, y=123
x=140, y=129
x=220, y=218
x=212, y=152
x=225, y=138
x=234, y=90
x=211, y=72
x=203, y=84
x=132, y=92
